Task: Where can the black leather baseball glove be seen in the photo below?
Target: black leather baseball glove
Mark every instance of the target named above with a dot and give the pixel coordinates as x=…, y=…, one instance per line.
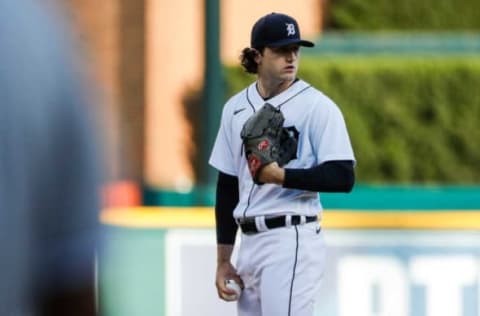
x=265, y=140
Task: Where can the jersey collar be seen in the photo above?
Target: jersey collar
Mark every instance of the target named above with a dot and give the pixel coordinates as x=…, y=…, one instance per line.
x=257, y=101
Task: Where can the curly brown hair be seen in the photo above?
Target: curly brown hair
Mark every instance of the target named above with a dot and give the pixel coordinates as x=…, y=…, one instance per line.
x=247, y=59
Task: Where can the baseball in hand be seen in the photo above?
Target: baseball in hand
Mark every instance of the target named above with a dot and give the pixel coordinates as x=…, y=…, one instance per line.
x=231, y=284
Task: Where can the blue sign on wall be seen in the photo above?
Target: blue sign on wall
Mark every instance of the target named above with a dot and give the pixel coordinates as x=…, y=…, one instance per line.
x=401, y=273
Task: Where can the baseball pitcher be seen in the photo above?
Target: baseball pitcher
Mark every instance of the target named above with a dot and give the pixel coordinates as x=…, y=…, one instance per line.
x=280, y=143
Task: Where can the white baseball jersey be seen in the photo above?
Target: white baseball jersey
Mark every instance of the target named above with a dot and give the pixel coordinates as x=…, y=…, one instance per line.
x=322, y=136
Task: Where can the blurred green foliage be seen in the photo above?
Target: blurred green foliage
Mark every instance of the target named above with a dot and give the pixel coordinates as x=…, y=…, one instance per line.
x=436, y=15
x=411, y=120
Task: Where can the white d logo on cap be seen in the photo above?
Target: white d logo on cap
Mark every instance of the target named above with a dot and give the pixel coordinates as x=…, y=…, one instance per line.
x=290, y=29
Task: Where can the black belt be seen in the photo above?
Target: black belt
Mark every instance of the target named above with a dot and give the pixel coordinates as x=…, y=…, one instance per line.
x=248, y=226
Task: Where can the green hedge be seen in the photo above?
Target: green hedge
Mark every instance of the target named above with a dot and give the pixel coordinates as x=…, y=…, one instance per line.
x=411, y=120
x=404, y=15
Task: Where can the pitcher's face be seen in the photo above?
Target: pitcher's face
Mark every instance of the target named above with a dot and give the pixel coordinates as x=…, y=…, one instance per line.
x=279, y=63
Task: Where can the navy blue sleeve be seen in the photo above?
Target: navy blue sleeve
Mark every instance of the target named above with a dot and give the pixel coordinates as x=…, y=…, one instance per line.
x=330, y=176
x=226, y=200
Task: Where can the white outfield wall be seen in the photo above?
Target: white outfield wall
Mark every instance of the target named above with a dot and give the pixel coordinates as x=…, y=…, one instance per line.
x=381, y=273
x=169, y=271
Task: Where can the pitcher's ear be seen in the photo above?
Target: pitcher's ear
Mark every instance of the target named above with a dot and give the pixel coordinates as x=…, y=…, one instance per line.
x=258, y=55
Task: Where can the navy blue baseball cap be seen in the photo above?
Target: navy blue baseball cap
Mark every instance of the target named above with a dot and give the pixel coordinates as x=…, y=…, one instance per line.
x=276, y=29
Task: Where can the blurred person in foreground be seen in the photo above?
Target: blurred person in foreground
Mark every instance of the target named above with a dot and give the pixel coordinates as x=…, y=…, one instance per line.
x=49, y=199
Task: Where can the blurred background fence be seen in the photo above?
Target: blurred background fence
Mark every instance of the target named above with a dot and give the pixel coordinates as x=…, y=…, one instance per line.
x=404, y=75
x=409, y=102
